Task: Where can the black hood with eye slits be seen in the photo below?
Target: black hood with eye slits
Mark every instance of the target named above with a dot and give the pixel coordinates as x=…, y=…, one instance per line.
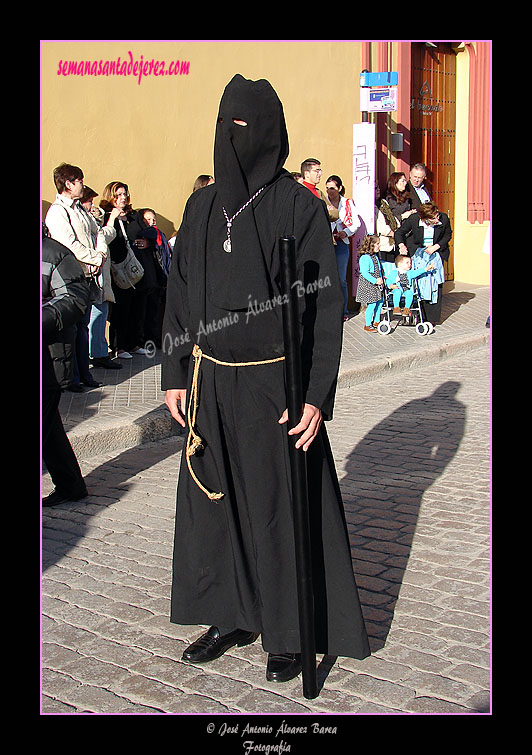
x=246, y=158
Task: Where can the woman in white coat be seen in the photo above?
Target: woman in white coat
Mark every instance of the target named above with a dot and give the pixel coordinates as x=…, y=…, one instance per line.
x=347, y=224
x=98, y=346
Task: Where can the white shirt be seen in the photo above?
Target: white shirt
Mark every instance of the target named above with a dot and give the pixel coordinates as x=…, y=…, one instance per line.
x=348, y=220
x=422, y=194
x=428, y=233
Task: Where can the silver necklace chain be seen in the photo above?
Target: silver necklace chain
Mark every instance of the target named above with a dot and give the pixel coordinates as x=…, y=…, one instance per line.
x=229, y=221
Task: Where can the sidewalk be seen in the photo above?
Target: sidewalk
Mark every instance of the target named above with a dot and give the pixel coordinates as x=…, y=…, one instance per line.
x=129, y=407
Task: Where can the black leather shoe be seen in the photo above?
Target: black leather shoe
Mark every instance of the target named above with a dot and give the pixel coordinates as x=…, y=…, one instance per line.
x=91, y=383
x=55, y=497
x=106, y=363
x=75, y=388
x=212, y=644
x=282, y=667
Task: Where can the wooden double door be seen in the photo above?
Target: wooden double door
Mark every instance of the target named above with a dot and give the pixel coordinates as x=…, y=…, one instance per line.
x=433, y=124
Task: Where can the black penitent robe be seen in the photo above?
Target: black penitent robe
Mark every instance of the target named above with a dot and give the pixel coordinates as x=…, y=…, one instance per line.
x=234, y=560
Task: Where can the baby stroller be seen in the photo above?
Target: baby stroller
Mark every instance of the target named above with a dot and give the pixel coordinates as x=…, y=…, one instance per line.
x=415, y=318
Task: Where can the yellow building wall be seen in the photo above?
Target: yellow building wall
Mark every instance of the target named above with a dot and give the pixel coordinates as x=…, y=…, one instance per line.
x=472, y=241
x=157, y=135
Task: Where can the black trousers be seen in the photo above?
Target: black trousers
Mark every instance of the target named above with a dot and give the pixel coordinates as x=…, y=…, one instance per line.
x=432, y=312
x=126, y=318
x=57, y=453
x=153, y=315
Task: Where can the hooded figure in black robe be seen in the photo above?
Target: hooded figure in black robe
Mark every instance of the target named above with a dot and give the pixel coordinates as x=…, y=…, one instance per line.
x=234, y=558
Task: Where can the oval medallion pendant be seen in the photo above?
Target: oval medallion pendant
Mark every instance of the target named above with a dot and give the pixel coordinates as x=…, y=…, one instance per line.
x=227, y=246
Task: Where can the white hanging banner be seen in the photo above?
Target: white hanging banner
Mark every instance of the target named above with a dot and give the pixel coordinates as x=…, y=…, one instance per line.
x=364, y=173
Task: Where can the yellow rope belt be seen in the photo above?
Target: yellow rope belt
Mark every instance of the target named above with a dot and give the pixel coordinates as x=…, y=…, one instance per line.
x=194, y=441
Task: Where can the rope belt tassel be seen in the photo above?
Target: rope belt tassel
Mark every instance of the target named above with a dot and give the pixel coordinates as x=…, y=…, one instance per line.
x=194, y=441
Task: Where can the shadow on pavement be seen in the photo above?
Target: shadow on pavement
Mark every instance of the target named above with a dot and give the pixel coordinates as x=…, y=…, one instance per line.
x=453, y=301
x=64, y=526
x=386, y=477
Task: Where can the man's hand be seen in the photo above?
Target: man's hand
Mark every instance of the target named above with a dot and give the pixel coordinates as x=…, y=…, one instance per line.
x=309, y=425
x=175, y=399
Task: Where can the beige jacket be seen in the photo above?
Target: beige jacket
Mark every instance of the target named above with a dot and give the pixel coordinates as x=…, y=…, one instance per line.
x=73, y=227
x=70, y=224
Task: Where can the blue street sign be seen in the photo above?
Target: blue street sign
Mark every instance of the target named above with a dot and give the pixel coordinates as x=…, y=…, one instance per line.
x=379, y=78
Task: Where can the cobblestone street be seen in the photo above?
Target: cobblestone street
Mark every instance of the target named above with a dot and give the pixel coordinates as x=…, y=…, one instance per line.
x=412, y=450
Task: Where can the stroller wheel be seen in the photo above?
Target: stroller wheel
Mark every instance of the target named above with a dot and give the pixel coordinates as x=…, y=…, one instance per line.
x=384, y=328
x=423, y=328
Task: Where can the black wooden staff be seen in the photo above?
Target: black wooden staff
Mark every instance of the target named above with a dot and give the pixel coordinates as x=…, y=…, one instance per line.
x=294, y=398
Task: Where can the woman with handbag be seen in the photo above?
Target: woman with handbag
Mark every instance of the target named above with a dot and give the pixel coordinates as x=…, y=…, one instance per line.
x=398, y=197
x=125, y=320
x=101, y=285
x=343, y=228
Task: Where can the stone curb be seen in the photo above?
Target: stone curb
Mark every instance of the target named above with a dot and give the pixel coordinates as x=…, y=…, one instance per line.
x=375, y=367
x=124, y=433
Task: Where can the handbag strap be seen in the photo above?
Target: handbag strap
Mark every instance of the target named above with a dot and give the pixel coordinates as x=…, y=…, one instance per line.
x=390, y=218
x=124, y=234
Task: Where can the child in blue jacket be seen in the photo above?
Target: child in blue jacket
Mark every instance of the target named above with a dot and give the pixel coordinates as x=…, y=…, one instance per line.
x=399, y=282
x=370, y=288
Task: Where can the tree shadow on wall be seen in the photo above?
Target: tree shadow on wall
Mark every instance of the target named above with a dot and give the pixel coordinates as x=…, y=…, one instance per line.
x=386, y=477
